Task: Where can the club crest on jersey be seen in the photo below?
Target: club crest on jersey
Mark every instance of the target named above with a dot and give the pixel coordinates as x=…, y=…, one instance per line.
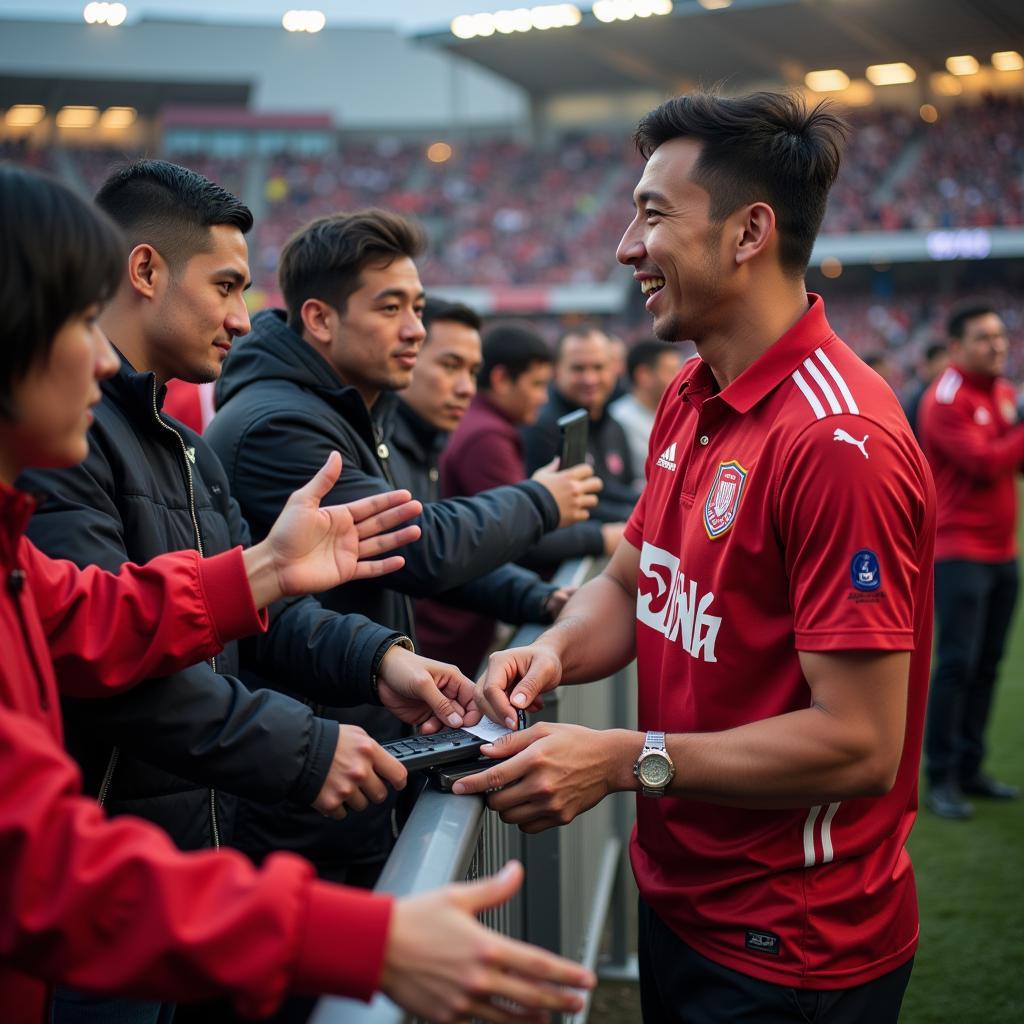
x=723, y=499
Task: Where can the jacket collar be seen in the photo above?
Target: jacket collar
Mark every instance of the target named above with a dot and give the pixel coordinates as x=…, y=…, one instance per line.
x=979, y=381
x=412, y=430
x=134, y=391
x=16, y=508
x=768, y=371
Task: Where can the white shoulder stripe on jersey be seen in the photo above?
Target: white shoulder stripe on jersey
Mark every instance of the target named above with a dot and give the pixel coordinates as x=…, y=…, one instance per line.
x=840, y=383
x=812, y=398
x=827, y=852
x=809, y=855
x=830, y=395
x=948, y=386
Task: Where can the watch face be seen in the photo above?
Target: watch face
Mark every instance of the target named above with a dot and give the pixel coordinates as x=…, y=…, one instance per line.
x=655, y=771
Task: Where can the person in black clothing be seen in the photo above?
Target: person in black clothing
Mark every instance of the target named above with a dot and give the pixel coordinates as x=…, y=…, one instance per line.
x=177, y=753
x=459, y=626
x=584, y=378
x=322, y=376
x=936, y=359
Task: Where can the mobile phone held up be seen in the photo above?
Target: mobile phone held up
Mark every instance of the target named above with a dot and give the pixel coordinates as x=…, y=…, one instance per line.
x=573, y=428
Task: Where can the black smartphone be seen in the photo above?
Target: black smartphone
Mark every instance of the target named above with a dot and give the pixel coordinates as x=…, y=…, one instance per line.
x=573, y=427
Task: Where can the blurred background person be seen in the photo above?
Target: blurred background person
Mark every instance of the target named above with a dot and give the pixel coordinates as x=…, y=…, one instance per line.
x=970, y=434
x=651, y=365
x=931, y=364
x=584, y=378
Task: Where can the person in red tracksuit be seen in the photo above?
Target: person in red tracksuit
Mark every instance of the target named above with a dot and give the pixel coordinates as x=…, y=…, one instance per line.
x=969, y=431
x=111, y=906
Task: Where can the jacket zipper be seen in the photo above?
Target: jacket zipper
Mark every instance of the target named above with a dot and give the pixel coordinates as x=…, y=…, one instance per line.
x=383, y=454
x=214, y=827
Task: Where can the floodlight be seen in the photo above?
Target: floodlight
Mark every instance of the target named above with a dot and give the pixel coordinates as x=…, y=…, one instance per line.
x=105, y=14
x=827, y=80
x=890, y=74
x=118, y=117
x=964, y=64
x=1007, y=60
x=77, y=117
x=25, y=115
x=715, y=5
x=303, y=21
x=946, y=85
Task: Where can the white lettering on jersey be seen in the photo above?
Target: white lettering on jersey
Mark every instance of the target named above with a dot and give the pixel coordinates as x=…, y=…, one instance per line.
x=675, y=609
x=841, y=435
x=667, y=459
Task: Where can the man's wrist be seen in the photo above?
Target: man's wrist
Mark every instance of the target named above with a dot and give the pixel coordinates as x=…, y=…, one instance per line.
x=262, y=573
x=623, y=747
x=386, y=648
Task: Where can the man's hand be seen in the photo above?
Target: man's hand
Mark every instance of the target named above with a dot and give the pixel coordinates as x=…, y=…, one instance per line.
x=574, y=490
x=557, y=600
x=514, y=681
x=443, y=964
x=426, y=693
x=310, y=548
x=359, y=770
x=611, y=534
x=552, y=772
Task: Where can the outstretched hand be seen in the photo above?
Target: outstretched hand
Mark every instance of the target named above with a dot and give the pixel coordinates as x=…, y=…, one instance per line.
x=311, y=548
x=443, y=964
x=424, y=692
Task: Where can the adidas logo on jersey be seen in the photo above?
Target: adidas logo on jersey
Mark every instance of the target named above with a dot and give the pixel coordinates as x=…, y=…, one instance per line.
x=667, y=459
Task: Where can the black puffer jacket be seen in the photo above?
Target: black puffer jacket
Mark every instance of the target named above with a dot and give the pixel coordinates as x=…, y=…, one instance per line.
x=154, y=751
x=282, y=410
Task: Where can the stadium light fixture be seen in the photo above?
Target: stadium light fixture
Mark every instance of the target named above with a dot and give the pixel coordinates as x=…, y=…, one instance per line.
x=944, y=84
x=964, y=64
x=1007, y=60
x=439, y=152
x=25, y=115
x=77, y=117
x=303, y=21
x=715, y=5
x=890, y=74
x=827, y=80
x=624, y=10
x=105, y=14
x=518, y=19
x=118, y=117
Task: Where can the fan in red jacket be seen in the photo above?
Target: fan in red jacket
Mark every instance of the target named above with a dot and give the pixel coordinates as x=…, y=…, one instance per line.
x=968, y=427
x=111, y=906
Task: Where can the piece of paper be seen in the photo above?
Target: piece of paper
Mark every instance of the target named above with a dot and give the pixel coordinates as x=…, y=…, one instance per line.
x=487, y=730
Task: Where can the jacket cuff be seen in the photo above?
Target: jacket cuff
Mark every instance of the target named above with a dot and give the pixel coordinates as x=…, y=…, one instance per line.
x=395, y=640
x=539, y=612
x=323, y=743
x=343, y=941
x=225, y=586
x=545, y=502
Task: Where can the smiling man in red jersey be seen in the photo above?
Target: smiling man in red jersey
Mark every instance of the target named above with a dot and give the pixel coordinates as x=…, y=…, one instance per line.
x=774, y=585
x=969, y=431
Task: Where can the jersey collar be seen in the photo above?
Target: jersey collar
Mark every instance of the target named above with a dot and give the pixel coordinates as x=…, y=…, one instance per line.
x=765, y=374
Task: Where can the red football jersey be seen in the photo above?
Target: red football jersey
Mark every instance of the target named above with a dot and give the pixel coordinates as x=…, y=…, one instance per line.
x=969, y=431
x=792, y=511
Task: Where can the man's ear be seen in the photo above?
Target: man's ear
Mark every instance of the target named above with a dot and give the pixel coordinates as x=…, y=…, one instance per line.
x=755, y=233
x=146, y=268
x=316, y=316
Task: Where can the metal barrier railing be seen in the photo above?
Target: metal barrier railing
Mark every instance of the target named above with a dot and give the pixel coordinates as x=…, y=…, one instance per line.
x=577, y=878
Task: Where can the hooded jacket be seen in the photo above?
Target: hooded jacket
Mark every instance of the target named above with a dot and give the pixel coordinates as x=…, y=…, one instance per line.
x=111, y=906
x=506, y=594
x=282, y=409
x=167, y=750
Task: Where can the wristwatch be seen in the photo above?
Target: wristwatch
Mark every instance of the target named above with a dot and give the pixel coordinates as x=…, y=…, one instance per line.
x=654, y=768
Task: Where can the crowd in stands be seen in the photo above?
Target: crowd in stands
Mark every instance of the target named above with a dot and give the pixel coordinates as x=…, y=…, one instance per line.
x=502, y=212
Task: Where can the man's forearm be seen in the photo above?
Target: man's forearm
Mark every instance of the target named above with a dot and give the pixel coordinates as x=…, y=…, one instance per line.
x=595, y=635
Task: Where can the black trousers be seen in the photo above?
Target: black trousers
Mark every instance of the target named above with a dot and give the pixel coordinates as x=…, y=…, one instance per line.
x=679, y=986
x=974, y=604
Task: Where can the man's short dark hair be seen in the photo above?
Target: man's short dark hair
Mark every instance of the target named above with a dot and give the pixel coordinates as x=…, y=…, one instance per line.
x=60, y=255
x=170, y=208
x=763, y=147
x=516, y=348
x=956, y=324
x=326, y=258
x=577, y=331
x=435, y=310
x=647, y=353
x=934, y=350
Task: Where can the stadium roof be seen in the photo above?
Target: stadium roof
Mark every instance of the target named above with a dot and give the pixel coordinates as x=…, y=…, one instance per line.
x=751, y=42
